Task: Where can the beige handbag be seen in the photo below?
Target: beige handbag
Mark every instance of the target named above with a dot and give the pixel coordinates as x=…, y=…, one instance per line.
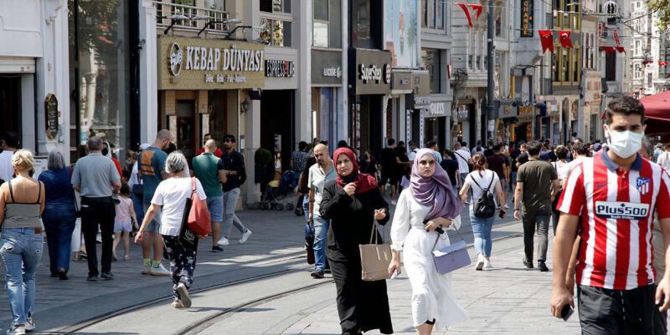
x=375, y=258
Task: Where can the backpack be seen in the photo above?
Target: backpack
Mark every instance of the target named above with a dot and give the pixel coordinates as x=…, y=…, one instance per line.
x=485, y=207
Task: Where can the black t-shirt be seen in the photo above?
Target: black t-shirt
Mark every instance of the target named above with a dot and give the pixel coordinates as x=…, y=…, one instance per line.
x=451, y=166
x=388, y=159
x=497, y=163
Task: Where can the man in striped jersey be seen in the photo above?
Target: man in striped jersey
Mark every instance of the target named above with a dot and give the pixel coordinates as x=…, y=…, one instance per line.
x=613, y=198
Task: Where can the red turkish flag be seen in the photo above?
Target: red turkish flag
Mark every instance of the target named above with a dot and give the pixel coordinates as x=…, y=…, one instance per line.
x=662, y=63
x=620, y=49
x=477, y=8
x=547, y=40
x=564, y=38
x=607, y=49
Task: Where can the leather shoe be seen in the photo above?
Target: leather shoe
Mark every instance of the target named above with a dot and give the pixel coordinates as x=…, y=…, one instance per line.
x=528, y=264
x=317, y=274
x=543, y=267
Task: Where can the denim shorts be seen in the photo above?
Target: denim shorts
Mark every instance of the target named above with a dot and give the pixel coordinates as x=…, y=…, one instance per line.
x=215, y=206
x=155, y=224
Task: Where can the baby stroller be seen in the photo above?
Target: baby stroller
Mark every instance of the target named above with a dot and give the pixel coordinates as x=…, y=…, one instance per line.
x=277, y=190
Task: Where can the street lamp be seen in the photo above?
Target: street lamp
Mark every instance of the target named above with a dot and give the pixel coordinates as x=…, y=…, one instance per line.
x=211, y=22
x=174, y=18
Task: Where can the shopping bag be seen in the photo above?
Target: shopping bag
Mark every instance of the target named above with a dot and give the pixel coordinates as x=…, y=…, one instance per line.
x=375, y=258
x=75, y=243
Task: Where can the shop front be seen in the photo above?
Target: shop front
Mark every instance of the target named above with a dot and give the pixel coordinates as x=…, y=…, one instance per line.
x=206, y=86
x=278, y=103
x=327, y=110
x=524, y=129
x=506, y=123
x=464, y=128
x=370, y=76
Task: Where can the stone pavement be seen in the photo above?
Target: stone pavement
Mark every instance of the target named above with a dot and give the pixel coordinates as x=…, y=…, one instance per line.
x=499, y=300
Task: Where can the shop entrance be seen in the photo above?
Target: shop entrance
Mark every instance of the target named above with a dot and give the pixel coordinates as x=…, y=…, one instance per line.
x=186, y=141
x=10, y=103
x=435, y=131
x=277, y=128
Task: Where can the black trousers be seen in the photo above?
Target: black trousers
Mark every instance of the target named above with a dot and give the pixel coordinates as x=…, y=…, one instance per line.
x=612, y=312
x=98, y=212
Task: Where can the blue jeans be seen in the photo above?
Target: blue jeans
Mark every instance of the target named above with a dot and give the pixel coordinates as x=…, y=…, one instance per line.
x=481, y=229
x=320, y=236
x=305, y=207
x=59, y=223
x=21, y=251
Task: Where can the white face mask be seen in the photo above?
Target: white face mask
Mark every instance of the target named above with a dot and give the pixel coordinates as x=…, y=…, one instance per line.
x=624, y=143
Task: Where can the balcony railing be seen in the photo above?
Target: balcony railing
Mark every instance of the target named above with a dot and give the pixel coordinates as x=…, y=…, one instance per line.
x=191, y=18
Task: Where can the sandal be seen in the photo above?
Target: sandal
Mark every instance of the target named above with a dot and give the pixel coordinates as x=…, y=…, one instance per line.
x=126, y=257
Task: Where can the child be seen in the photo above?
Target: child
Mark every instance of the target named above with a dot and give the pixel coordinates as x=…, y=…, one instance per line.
x=124, y=221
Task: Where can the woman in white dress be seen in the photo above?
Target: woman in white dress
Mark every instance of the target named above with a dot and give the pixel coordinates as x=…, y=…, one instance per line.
x=423, y=209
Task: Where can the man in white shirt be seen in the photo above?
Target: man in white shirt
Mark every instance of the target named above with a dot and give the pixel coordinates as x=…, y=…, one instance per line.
x=8, y=143
x=319, y=175
x=664, y=158
x=463, y=158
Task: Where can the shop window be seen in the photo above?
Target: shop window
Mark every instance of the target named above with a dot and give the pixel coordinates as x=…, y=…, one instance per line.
x=275, y=6
x=100, y=71
x=275, y=32
x=432, y=14
x=431, y=60
x=320, y=27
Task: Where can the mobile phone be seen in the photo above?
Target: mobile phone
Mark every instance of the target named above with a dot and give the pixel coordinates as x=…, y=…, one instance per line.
x=395, y=274
x=566, y=312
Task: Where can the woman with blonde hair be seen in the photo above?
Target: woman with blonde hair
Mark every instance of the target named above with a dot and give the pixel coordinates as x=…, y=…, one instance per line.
x=21, y=204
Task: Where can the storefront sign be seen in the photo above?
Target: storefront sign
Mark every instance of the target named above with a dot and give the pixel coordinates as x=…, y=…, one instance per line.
x=326, y=67
x=507, y=111
x=191, y=64
x=527, y=7
x=437, y=109
x=372, y=71
x=422, y=102
x=332, y=72
x=51, y=111
x=421, y=83
x=279, y=68
x=401, y=80
x=526, y=113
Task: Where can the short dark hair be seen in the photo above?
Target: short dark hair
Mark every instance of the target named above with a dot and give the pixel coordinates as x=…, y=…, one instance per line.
x=581, y=148
x=561, y=152
x=497, y=147
x=11, y=138
x=302, y=145
x=390, y=141
x=625, y=105
x=342, y=144
x=534, y=148
x=431, y=144
x=464, y=144
x=230, y=137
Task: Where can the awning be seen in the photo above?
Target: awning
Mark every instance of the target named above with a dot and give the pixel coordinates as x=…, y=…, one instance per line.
x=657, y=108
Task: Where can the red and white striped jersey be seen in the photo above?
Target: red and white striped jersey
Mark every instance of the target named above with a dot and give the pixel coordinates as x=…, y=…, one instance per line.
x=616, y=209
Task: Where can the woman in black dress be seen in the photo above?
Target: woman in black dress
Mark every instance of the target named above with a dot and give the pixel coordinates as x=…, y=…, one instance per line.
x=352, y=203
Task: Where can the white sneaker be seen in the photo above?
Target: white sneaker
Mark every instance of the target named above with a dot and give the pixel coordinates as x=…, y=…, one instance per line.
x=184, y=297
x=160, y=270
x=480, y=263
x=223, y=241
x=30, y=324
x=146, y=270
x=245, y=236
x=487, y=264
x=17, y=330
x=177, y=304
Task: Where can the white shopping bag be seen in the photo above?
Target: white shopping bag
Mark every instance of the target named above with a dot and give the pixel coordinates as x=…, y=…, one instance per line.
x=77, y=238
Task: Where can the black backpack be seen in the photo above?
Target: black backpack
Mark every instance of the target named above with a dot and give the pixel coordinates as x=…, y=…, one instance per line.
x=485, y=207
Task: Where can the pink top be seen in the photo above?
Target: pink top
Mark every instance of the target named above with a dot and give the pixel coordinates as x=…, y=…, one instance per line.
x=123, y=210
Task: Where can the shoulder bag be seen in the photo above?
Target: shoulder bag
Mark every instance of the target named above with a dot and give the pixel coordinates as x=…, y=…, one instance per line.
x=198, y=216
x=451, y=257
x=375, y=258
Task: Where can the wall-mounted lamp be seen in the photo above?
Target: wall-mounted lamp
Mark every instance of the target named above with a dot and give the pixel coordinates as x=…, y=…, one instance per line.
x=212, y=22
x=244, y=105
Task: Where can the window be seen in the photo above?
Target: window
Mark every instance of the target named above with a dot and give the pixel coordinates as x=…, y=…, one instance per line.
x=275, y=6
x=638, y=48
x=610, y=66
x=433, y=14
x=186, y=8
x=649, y=79
x=320, y=26
x=275, y=32
x=432, y=62
x=637, y=74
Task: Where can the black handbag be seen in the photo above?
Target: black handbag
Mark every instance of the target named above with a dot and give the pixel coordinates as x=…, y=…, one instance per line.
x=187, y=238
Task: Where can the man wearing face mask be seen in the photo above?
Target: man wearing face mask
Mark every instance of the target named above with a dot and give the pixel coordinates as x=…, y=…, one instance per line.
x=613, y=197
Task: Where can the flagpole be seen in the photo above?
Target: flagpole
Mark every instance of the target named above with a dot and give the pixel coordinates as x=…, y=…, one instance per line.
x=490, y=108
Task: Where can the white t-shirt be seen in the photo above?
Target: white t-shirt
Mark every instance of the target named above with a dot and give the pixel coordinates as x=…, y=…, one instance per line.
x=462, y=157
x=6, y=169
x=664, y=160
x=562, y=170
x=172, y=193
x=483, y=179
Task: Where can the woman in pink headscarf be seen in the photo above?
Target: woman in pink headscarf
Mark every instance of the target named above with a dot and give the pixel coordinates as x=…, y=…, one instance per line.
x=424, y=209
x=352, y=203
